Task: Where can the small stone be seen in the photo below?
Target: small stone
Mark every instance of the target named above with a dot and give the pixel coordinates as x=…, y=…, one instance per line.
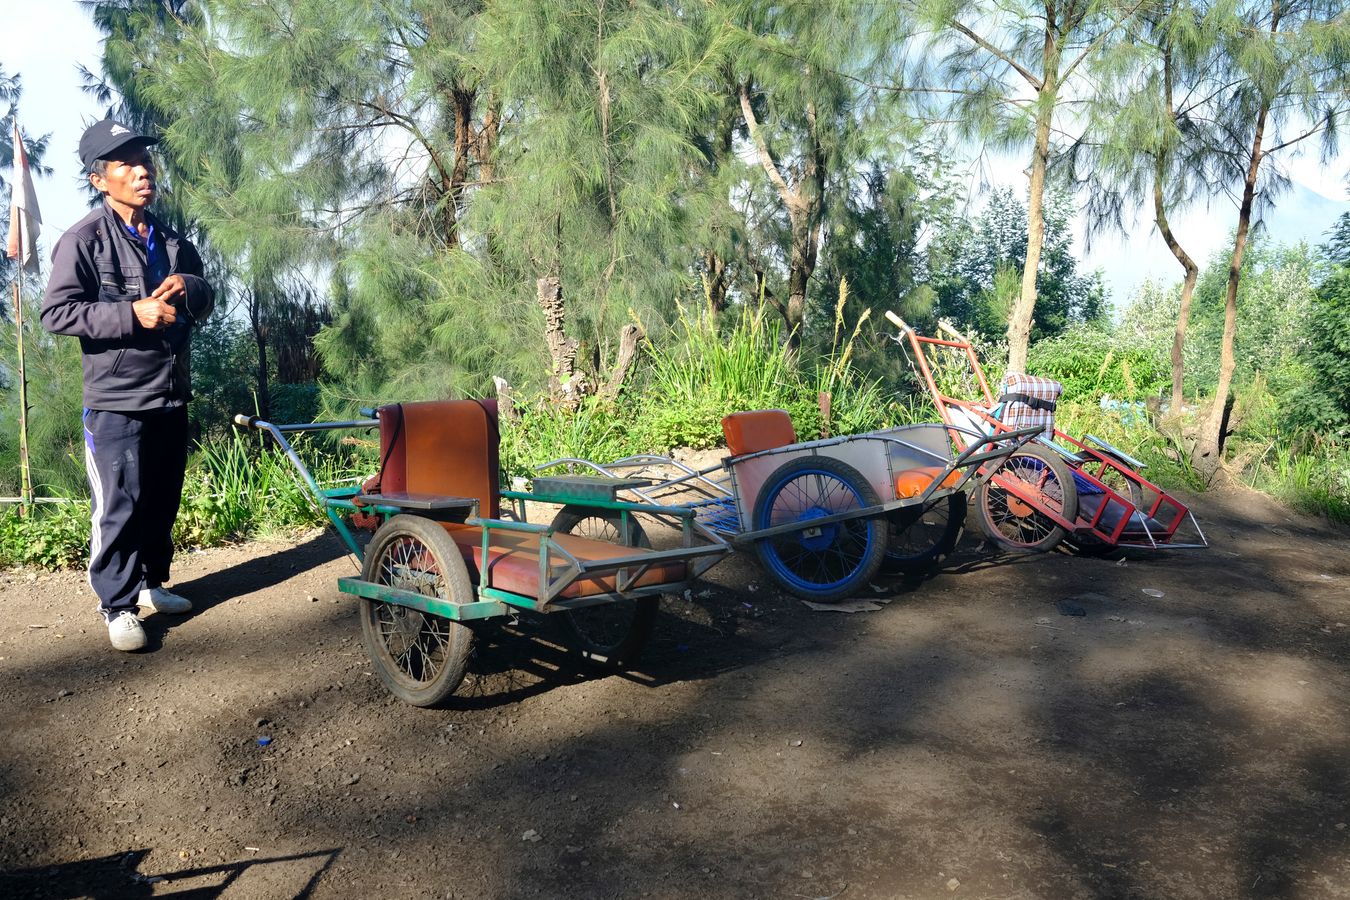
x=353, y=779
x=64, y=693
x=952, y=884
x=531, y=836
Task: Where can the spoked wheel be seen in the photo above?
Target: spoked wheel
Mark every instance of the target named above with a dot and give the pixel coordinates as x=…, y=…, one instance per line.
x=922, y=536
x=824, y=562
x=419, y=656
x=1020, y=525
x=610, y=635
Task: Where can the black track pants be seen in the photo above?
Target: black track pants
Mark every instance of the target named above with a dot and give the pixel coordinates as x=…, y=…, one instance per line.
x=135, y=462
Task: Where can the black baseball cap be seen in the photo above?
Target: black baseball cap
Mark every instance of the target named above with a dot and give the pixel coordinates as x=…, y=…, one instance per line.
x=101, y=139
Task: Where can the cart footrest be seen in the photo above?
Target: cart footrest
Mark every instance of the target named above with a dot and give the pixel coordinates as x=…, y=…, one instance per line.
x=513, y=562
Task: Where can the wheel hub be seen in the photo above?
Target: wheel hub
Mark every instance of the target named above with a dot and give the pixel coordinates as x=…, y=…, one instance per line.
x=819, y=537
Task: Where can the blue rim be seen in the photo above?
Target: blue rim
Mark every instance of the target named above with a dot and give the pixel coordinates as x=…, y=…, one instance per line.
x=819, y=543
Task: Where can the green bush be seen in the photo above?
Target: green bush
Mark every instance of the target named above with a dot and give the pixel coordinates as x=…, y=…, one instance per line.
x=50, y=536
x=1091, y=362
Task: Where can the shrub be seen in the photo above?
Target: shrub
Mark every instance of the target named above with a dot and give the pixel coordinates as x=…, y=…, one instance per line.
x=50, y=536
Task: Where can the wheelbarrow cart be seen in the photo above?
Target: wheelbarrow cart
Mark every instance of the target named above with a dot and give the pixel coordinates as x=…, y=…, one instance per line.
x=824, y=516
x=1057, y=486
x=444, y=557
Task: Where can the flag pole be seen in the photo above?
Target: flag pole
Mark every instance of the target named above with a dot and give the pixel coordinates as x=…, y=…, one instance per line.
x=25, y=474
x=25, y=224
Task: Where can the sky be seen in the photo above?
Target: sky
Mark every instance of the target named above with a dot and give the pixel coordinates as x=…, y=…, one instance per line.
x=46, y=41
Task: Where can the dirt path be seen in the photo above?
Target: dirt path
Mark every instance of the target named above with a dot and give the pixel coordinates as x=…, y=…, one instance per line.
x=968, y=740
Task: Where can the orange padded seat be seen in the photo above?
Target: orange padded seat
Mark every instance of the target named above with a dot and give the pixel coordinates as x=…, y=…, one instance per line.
x=913, y=482
x=513, y=561
x=448, y=448
x=762, y=429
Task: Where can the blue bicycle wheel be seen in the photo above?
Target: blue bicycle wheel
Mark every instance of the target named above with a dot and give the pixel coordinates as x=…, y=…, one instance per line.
x=825, y=562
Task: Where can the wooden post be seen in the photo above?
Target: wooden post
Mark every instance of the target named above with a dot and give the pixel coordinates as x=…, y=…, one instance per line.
x=25, y=475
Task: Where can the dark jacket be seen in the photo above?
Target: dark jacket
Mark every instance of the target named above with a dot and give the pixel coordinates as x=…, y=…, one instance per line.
x=98, y=271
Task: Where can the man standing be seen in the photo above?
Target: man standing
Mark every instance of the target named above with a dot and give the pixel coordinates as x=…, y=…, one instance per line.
x=130, y=289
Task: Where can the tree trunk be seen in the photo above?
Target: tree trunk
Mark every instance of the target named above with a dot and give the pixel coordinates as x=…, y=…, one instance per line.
x=461, y=101
x=803, y=209
x=1188, y=264
x=1187, y=289
x=565, y=384
x=1019, y=323
x=506, y=403
x=715, y=284
x=629, y=338
x=1207, y=456
x=259, y=329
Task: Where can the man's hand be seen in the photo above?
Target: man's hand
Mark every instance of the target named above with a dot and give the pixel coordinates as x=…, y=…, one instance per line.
x=159, y=310
x=170, y=290
x=153, y=313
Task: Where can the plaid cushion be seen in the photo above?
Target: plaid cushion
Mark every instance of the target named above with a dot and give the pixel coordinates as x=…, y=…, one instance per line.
x=1028, y=400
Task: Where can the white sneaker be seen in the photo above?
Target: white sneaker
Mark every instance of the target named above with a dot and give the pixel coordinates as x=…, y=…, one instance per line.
x=163, y=601
x=125, y=631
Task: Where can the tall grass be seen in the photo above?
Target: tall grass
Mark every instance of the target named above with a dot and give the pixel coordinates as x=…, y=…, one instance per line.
x=1310, y=472
x=1167, y=461
x=234, y=489
x=596, y=431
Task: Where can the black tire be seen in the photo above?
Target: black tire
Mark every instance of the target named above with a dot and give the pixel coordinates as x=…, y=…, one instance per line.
x=1014, y=524
x=922, y=536
x=609, y=636
x=419, y=656
x=821, y=564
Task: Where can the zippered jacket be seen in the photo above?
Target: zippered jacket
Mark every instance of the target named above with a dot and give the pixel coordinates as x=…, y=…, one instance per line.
x=98, y=271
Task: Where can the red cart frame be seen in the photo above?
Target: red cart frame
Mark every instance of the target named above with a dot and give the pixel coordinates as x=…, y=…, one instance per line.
x=1058, y=486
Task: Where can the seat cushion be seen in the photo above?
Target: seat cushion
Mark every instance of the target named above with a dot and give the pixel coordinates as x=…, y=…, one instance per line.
x=913, y=482
x=762, y=429
x=513, y=561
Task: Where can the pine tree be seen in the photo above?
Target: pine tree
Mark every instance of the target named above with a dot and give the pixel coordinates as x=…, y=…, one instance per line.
x=1286, y=81
x=1010, y=68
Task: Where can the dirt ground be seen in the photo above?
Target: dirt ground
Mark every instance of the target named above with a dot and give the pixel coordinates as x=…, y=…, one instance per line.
x=1189, y=736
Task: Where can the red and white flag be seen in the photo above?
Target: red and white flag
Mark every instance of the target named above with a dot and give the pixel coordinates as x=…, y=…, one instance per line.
x=25, y=220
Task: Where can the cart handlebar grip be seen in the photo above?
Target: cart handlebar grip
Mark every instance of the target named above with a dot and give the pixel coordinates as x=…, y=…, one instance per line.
x=244, y=421
x=897, y=321
x=944, y=325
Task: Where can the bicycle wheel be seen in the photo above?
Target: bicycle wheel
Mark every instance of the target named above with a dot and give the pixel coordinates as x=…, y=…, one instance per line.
x=419, y=656
x=611, y=635
x=827, y=562
x=1020, y=525
x=922, y=536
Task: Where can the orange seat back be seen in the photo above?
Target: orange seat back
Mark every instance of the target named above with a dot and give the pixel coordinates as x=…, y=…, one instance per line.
x=761, y=429
x=445, y=448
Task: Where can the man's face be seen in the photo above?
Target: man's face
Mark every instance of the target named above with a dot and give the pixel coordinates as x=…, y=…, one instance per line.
x=129, y=180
